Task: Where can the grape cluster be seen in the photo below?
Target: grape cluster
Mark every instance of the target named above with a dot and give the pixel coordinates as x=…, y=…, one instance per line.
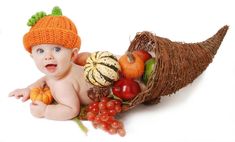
x=102, y=114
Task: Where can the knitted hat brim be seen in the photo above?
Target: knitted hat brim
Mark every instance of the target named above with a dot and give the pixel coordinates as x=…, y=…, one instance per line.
x=61, y=37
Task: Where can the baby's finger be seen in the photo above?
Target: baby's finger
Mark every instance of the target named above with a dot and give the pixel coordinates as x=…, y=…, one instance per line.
x=18, y=95
x=11, y=94
x=38, y=103
x=32, y=106
x=25, y=98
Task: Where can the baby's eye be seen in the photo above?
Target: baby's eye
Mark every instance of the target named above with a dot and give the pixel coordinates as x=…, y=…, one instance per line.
x=57, y=49
x=39, y=50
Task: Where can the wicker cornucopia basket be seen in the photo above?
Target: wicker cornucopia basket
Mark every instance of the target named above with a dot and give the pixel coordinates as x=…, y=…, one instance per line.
x=177, y=63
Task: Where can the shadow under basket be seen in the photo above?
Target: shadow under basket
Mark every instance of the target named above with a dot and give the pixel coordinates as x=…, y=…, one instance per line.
x=177, y=63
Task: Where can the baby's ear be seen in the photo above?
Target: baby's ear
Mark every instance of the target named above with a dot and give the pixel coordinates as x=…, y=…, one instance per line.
x=74, y=53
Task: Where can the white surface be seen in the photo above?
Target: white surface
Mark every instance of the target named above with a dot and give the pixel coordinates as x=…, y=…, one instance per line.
x=203, y=111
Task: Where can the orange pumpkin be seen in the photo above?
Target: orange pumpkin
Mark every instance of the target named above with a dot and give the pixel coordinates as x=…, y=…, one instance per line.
x=132, y=65
x=41, y=94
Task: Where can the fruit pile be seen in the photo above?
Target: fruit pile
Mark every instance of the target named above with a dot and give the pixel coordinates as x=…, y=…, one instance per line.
x=135, y=66
x=123, y=76
x=102, y=114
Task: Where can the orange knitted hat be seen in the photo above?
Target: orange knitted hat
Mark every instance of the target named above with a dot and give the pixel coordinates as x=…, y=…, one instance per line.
x=51, y=29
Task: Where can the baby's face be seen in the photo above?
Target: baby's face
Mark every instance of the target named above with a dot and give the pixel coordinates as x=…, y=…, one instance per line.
x=53, y=60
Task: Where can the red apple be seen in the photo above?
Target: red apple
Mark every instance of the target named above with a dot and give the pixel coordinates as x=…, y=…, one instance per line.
x=144, y=55
x=126, y=89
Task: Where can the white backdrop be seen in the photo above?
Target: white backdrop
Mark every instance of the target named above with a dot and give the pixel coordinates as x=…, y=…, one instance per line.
x=202, y=111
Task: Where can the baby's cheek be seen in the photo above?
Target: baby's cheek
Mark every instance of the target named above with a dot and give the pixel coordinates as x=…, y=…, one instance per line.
x=39, y=65
x=65, y=61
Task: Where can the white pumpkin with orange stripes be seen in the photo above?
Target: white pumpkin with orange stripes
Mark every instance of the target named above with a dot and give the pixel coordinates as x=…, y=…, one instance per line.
x=101, y=68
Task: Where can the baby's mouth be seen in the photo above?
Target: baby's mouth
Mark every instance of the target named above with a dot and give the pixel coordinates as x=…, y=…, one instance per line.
x=51, y=67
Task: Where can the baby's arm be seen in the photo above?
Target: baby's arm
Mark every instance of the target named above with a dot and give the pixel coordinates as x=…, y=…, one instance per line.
x=24, y=93
x=68, y=105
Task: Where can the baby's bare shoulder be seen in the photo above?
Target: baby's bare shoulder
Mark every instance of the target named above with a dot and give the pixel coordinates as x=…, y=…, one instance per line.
x=62, y=88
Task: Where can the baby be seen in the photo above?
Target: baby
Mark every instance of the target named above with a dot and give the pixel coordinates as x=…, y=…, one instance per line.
x=53, y=43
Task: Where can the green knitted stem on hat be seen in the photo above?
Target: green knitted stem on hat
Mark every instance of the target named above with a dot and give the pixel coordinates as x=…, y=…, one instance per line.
x=56, y=11
x=33, y=20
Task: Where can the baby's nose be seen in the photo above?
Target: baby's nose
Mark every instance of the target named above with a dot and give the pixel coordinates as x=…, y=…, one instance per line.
x=49, y=57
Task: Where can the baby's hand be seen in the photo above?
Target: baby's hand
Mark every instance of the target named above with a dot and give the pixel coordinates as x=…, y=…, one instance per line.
x=18, y=93
x=38, y=108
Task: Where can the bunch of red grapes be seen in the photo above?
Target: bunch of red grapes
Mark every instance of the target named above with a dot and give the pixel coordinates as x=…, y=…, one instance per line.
x=102, y=114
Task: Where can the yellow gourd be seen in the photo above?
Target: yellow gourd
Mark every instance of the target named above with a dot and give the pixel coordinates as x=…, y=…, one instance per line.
x=102, y=69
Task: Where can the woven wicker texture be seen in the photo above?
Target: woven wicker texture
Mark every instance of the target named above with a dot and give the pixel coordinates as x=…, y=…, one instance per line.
x=177, y=63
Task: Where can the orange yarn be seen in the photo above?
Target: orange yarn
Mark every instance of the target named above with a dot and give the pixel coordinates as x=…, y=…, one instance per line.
x=52, y=30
